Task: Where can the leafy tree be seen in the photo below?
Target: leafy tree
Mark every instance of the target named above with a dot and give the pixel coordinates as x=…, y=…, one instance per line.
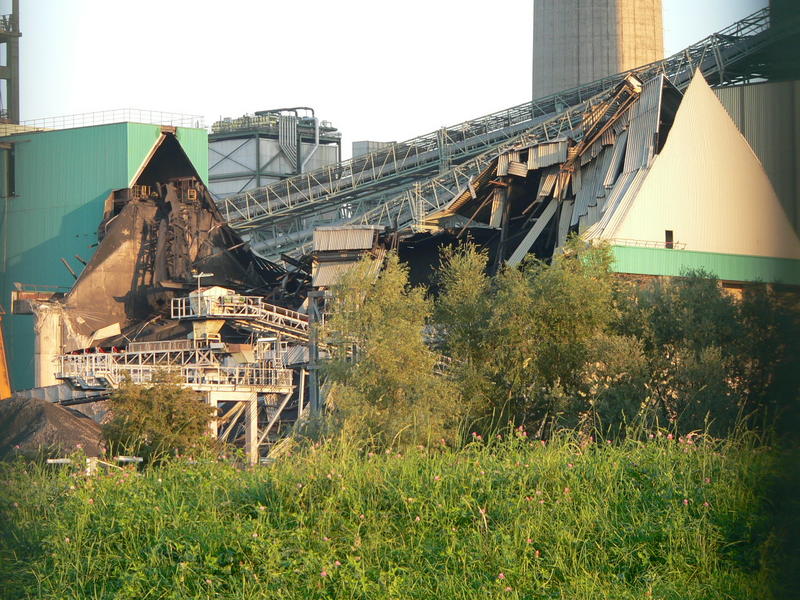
x=388, y=387
x=155, y=420
x=525, y=335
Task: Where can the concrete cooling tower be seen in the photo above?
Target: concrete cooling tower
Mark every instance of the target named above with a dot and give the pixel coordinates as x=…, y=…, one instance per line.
x=579, y=41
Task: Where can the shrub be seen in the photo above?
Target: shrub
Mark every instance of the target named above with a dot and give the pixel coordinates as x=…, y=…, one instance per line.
x=155, y=420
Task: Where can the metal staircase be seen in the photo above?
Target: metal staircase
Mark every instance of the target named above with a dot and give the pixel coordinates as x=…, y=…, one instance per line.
x=397, y=185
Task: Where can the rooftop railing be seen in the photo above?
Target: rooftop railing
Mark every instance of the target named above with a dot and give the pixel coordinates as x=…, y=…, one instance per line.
x=106, y=117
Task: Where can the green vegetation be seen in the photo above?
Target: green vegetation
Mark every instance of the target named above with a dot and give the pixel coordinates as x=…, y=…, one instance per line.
x=512, y=518
x=415, y=494
x=156, y=420
x=565, y=344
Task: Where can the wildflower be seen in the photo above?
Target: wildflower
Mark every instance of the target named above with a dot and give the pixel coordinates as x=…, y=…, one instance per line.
x=508, y=588
x=537, y=554
x=529, y=541
x=370, y=454
x=437, y=478
x=707, y=480
x=255, y=535
x=541, y=501
x=685, y=501
x=483, y=472
x=66, y=539
x=388, y=451
x=159, y=480
x=16, y=446
x=566, y=490
x=326, y=539
x=208, y=581
x=361, y=516
x=337, y=563
x=608, y=441
x=417, y=519
x=544, y=443
x=501, y=576
x=670, y=436
x=651, y=436
x=323, y=573
x=706, y=504
x=409, y=499
x=90, y=500
x=570, y=465
x=538, y=492
x=16, y=504
x=299, y=486
x=482, y=511
x=499, y=437
x=79, y=446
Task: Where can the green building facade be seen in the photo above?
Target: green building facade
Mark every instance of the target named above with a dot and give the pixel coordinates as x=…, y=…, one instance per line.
x=53, y=185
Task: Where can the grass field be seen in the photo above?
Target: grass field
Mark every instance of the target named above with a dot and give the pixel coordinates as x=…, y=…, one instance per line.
x=509, y=518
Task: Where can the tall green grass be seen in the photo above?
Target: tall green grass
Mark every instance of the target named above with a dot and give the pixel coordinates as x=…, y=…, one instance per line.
x=508, y=518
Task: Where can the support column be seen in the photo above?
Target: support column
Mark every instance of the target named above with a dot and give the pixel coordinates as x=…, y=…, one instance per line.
x=46, y=344
x=314, y=300
x=301, y=392
x=213, y=424
x=251, y=429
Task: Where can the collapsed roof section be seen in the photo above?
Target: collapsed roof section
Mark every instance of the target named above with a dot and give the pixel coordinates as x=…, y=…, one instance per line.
x=156, y=238
x=653, y=170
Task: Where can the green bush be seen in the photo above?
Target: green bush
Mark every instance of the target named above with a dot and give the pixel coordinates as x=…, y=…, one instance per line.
x=388, y=387
x=157, y=420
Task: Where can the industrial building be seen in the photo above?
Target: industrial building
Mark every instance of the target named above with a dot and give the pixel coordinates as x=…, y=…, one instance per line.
x=55, y=182
x=271, y=145
x=664, y=178
x=151, y=271
x=398, y=186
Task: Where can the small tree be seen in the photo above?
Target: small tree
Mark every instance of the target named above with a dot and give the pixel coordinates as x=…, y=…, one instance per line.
x=388, y=384
x=154, y=420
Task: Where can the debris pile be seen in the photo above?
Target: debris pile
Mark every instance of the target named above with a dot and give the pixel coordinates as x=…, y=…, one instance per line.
x=36, y=428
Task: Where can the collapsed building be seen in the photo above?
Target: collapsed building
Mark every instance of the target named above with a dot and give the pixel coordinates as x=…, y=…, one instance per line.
x=664, y=178
x=223, y=295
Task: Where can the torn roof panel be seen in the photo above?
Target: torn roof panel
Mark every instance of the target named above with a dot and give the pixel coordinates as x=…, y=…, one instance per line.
x=643, y=130
x=547, y=154
x=350, y=237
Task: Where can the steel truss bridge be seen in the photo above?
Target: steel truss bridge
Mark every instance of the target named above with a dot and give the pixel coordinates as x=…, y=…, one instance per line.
x=399, y=185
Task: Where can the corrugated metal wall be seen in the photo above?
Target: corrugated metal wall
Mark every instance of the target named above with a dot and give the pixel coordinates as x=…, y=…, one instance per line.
x=195, y=143
x=768, y=115
x=62, y=179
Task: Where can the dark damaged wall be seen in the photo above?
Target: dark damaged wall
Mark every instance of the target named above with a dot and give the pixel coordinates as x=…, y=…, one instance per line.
x=60, y=182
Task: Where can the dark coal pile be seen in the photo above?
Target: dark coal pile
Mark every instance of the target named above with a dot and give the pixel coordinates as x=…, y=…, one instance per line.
x=36, y=428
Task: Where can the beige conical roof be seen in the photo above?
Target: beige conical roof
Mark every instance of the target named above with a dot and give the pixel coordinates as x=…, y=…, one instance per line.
x=708, y=188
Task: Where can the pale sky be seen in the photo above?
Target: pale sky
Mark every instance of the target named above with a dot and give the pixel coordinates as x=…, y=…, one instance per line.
x=376, y=70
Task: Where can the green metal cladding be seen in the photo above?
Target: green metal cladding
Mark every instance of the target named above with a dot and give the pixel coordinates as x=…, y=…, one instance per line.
x=62, y=179
x=730, y=267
